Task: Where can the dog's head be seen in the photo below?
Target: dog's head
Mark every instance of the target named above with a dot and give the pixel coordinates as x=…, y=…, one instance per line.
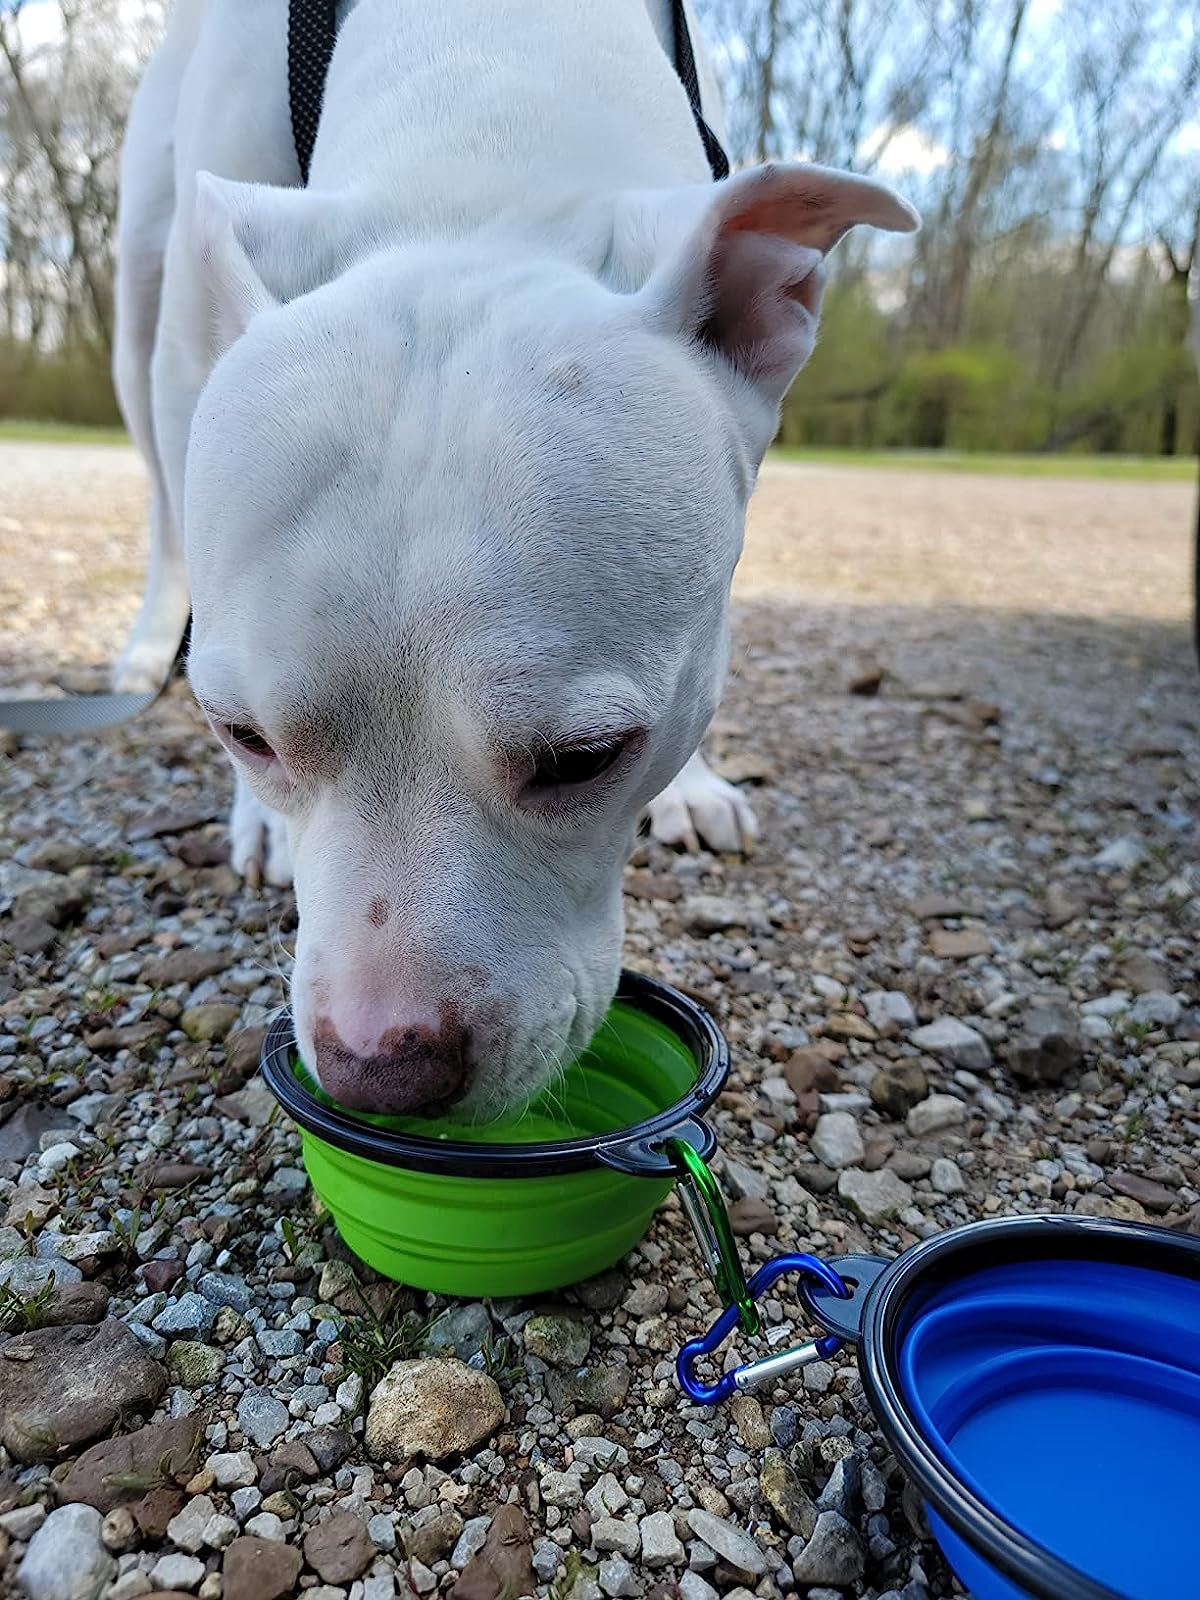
x=461, y=526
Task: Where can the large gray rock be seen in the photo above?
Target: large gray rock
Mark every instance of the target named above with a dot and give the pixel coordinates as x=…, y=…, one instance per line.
x=65, y=1559
x=875, y=1196
x=432, y=1408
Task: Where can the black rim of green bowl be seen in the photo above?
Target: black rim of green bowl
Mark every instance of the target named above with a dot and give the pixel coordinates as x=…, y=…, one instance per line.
x=636, y=1150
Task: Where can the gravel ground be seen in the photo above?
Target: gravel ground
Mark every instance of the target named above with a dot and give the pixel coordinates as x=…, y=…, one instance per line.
x=959, y=981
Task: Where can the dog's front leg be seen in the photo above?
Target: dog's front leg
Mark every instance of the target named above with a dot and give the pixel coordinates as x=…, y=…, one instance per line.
x=698, y=807
x=258, y=841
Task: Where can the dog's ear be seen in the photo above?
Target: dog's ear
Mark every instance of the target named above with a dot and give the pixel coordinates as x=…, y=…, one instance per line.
x=745, y=282
x=259, y=244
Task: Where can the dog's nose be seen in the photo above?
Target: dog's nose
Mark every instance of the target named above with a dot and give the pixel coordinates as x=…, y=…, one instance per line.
x=411, y=1066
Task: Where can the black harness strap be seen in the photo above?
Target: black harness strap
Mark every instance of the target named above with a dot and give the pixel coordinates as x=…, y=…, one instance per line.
x=312, y=29
x=685, y=66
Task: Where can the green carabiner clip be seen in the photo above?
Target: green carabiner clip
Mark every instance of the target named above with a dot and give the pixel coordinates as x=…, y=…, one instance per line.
x=705, y=1207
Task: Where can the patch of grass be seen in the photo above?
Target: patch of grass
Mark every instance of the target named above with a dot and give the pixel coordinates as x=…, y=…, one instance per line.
x=23, y=1313
x=372, y=1344
x=22, y=432
x=501, y=1361
x=574, y=1568
x=1136, y=1125
x=1158, y=469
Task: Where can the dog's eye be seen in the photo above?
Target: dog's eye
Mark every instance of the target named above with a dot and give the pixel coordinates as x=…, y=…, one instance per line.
x=564, y=765
x=249, y=740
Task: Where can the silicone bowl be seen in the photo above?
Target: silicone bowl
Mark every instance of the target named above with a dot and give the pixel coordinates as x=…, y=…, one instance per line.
x=545, y=1199
x=1039, y=1380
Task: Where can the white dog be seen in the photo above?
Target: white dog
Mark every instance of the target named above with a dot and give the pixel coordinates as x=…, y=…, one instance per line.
x=469, y=427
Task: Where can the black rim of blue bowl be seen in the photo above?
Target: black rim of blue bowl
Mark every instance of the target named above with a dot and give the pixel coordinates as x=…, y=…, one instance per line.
x=933, y=1264
x=636, y=1149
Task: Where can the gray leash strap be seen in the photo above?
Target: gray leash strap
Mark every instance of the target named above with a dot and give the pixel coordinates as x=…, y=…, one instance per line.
x=73, y=713
x=86, y=713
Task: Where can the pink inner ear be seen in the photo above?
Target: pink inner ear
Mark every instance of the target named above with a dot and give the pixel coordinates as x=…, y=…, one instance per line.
x=787, y=216
x=757, y=282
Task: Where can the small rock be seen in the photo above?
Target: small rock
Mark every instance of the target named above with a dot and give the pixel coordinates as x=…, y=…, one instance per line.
x=262, y=1417
x=954, y=1041
x=193, y=1365
x=434, y=1408
x=935, y=1115
x=66, y=1559
x=711, y=913
x=959, y=944
x=875, y=1196
x=617, y=1577
x=503, y=1565
x=1156, y=1009
x=190, y=1314
x=186, y=1528
x=867, y=680
x=177, y=1572
x=836, y=1140
x=896, y=1089
x=616, y=1533
x=208, y=1022
x=1048, y=1047
x=465, y=1329
x=843, y=1490
x=600, y=1387
x=748, y=1419
x=224, y=1289
x=184, y=966
x=1154, y=1196
x=889, y=1009
x=646, y=1300
x=1122, y=855
x=734, y=1546
x=693, y=1587
x=340, y=1549
x=786, y=1496
x=329, y=1447
x=434, y=1540
x=470, y=1541
x=233, y=1469
x=945, y=1176
x=660, y=1544
x=260, y=1569
x=559, y=1341
x=833, y=1555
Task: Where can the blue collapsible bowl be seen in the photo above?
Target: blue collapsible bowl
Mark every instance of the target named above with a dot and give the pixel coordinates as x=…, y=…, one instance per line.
x=1038, y=1378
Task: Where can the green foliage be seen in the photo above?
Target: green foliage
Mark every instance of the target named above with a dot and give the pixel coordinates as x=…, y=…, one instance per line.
x=372, y=1343
x=69, y=385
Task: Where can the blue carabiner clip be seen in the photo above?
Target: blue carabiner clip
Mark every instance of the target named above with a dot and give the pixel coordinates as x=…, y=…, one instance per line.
x=767, y=1368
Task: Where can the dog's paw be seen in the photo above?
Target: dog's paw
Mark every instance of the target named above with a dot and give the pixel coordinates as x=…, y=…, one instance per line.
x=700, y=808
x=142, y=667
x=258, y=841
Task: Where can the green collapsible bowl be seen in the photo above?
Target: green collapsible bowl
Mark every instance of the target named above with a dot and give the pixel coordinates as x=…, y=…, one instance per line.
x=535, y=1202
